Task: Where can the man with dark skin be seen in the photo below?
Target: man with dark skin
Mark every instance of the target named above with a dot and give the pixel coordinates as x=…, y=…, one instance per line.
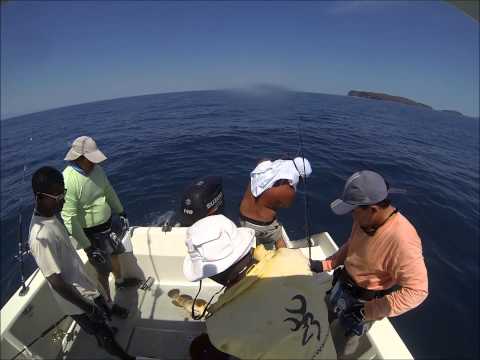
x=264, y=208
x=272, y=187
x=62, y=267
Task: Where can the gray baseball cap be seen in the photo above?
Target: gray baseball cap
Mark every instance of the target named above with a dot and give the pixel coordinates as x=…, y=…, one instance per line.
x=86, y=146
x=362, y=188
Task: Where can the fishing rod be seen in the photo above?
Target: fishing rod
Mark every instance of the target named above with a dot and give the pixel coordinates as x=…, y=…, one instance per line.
x=22, y=247
x=305, y=194
x=22, y=251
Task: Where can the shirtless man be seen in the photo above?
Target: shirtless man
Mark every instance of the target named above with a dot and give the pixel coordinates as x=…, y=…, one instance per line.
x=272, y=187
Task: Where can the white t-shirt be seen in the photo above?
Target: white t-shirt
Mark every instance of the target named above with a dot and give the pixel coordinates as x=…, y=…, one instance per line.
x=51, y=247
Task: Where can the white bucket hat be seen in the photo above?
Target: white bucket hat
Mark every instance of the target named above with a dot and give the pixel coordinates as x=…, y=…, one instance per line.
x=267, y=173
x=86, y=146
x=214, y=243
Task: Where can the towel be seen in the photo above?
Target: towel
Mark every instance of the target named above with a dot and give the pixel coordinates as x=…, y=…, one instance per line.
x=268, y=172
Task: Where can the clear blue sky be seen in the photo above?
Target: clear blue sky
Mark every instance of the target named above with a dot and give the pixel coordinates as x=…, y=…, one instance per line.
x=61, y=53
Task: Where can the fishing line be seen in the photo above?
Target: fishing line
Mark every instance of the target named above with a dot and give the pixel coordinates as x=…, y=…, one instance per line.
x=22, y=250
x=195, y=317
x=305, y=197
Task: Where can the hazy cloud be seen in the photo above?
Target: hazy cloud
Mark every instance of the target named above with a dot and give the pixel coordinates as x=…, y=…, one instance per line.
x=357, y=6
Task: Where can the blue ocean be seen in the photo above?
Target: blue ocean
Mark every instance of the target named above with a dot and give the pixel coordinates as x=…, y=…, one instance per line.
x=158, y=144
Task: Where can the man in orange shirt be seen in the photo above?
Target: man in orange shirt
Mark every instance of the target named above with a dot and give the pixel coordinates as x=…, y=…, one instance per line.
x=383, y=274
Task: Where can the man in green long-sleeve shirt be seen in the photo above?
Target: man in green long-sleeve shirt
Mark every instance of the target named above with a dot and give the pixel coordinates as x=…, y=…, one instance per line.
x=87, y=212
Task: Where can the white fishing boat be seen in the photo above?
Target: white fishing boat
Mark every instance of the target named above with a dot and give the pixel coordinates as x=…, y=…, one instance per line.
x=156, y=328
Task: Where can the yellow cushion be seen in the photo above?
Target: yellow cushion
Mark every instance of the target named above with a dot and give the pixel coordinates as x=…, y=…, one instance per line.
x=276, y=312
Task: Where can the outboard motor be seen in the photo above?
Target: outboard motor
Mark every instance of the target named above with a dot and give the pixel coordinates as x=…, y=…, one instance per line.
x=202, y=198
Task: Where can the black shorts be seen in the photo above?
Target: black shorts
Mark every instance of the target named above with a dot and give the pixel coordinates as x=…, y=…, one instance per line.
x=92, y=327
x=104, y=241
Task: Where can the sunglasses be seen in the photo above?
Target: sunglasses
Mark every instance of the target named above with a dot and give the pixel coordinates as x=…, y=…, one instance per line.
x=57, y=198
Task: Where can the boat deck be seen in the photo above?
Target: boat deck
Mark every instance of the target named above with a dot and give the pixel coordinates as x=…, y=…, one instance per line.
x=155, y=328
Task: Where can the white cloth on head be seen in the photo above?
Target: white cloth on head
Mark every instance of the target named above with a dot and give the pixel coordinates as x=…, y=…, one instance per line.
x=303, y=166
x=268, y=172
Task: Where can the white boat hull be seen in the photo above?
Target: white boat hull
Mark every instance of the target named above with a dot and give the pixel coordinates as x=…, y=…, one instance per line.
x=155, y=328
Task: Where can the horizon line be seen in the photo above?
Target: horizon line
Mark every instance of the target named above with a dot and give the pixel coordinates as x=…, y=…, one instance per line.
x=270, y=87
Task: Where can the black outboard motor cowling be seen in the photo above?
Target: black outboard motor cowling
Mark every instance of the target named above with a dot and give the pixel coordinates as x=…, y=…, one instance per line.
x=204, y=197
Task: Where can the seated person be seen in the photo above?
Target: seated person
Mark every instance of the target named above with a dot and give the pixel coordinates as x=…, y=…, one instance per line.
x=272, y=186
x=62, y=267
x=272, y=306
x=201, y=198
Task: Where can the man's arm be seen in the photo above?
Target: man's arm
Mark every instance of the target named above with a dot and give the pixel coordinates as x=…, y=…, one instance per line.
x=395, y=304
x=280, y=243
x=111, y=196
x=333, y=261
x=336, y=259
x=70, y=213
x=339, y=257
x=45, y=251
x=70, y=293
x=410, y=273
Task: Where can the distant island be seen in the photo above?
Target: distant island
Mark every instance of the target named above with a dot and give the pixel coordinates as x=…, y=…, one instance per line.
x=380, y=96
x=452, y=112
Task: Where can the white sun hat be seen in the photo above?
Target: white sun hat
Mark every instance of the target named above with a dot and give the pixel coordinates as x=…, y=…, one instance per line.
x=214, y=243
x=268, y=172
x=86, y=146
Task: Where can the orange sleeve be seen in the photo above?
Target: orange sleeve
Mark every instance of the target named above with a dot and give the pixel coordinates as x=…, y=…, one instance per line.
x=336, y=259
x=409, y=271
